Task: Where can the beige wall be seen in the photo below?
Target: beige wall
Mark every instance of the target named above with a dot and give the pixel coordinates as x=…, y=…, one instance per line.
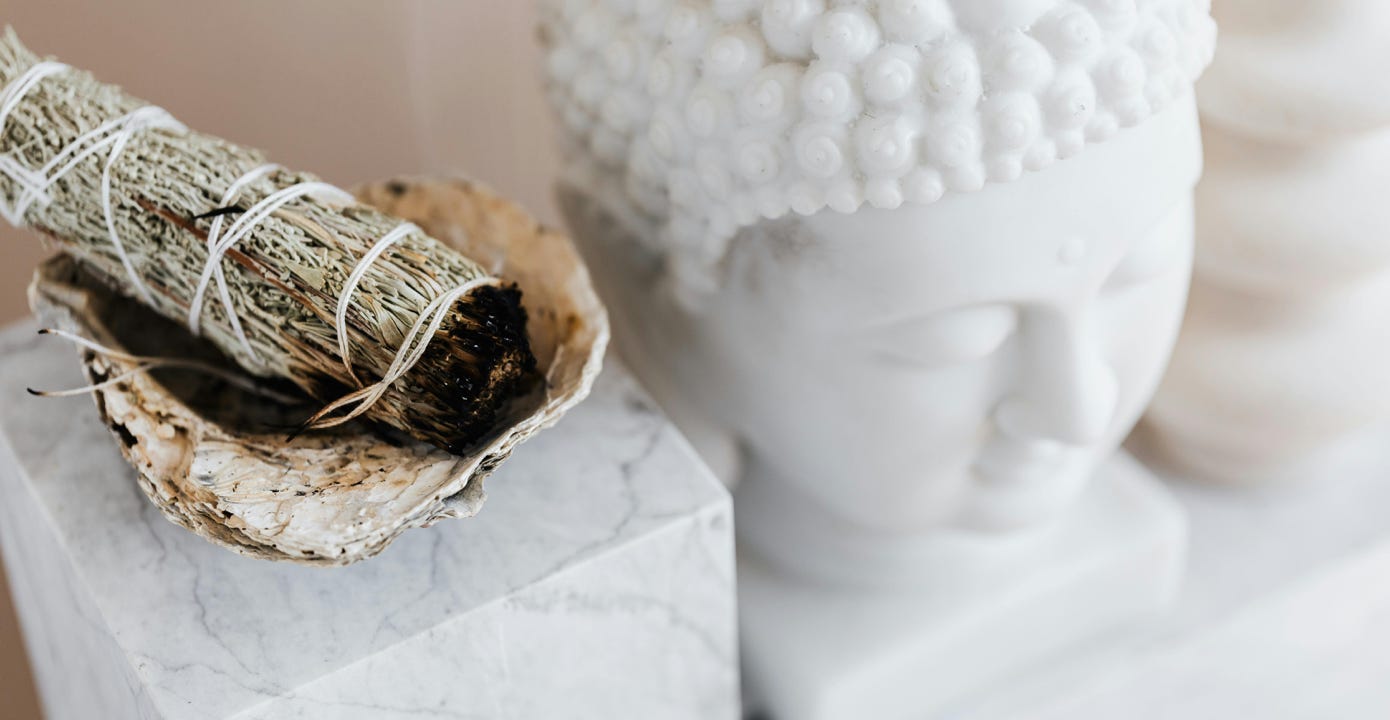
x=351, y=89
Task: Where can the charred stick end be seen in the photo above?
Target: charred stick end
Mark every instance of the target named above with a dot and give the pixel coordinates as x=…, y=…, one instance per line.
x=477, y=364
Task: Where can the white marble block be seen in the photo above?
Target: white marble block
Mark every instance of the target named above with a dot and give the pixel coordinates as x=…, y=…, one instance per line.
x=598, y=582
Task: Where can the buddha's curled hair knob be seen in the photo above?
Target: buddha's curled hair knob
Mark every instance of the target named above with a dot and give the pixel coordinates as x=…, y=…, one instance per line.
x=748, y=110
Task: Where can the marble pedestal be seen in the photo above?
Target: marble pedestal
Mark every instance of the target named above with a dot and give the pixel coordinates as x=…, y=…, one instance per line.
x=820, y=653
x=598, y=582
x=1284, y=612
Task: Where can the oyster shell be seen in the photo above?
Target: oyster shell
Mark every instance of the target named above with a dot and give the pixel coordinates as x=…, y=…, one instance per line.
x=216, y=459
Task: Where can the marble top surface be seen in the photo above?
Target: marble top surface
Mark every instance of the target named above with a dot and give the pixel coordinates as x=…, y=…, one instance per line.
x=205, y=627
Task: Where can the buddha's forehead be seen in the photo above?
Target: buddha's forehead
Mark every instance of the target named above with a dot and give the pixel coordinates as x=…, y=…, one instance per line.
x=922, y=258
x=1098, y=203
x=1053, y=238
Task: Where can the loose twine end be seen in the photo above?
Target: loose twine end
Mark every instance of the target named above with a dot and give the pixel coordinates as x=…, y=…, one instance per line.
x=144, y=364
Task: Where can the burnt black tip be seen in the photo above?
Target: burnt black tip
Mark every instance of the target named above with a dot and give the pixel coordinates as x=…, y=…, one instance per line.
x=33, y=392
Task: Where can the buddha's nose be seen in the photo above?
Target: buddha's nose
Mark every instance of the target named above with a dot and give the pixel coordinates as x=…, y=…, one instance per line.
x=1065, y=390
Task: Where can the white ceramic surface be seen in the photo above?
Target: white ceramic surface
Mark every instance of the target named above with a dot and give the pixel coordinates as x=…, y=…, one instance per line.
x=997, y=609
x=786, y=205
x=1283, y=354
x=598, y=583
x=1284, y=614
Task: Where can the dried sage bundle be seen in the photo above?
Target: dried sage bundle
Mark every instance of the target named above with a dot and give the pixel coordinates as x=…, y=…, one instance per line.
x=135, y=197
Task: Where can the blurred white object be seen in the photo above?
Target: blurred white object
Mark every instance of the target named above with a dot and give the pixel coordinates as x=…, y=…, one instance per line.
x=915, y=373
x=1300, y=70
x=1283, y=357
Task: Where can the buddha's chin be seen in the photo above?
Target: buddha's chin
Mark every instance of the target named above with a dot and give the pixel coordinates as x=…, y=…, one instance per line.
x=1023, y=491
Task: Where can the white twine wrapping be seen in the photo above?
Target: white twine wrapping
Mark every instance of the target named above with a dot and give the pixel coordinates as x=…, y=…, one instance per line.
x=241, y=229
x=148, y=117
x=144, y=364
x=30, y=181
x=116, y=134
x=407, y=357
x=359, y=272
x=195, y=318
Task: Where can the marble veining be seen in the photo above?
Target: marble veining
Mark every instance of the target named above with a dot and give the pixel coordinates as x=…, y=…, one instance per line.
x=606, y=533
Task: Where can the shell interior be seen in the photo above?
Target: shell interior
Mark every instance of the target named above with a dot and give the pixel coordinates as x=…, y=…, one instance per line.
x=217, y=460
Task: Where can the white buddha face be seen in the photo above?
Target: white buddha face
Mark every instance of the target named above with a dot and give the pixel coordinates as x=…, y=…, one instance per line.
x=966, y=364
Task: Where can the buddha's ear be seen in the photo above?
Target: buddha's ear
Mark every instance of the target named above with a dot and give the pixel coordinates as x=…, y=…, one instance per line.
x=777, y=244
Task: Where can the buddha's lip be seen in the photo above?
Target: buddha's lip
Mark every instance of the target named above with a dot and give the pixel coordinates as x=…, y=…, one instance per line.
x=1004, y=459
x=1021, y=485
x=1013, y=476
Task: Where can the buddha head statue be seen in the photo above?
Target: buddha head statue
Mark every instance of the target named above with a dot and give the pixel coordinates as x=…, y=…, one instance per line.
x=920, y=263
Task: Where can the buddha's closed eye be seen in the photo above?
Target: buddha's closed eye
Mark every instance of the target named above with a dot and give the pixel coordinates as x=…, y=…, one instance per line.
x=948, y=337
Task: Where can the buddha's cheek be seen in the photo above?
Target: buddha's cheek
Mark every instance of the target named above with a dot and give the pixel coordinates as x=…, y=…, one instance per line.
x=1140, y=327
x=890, y=448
